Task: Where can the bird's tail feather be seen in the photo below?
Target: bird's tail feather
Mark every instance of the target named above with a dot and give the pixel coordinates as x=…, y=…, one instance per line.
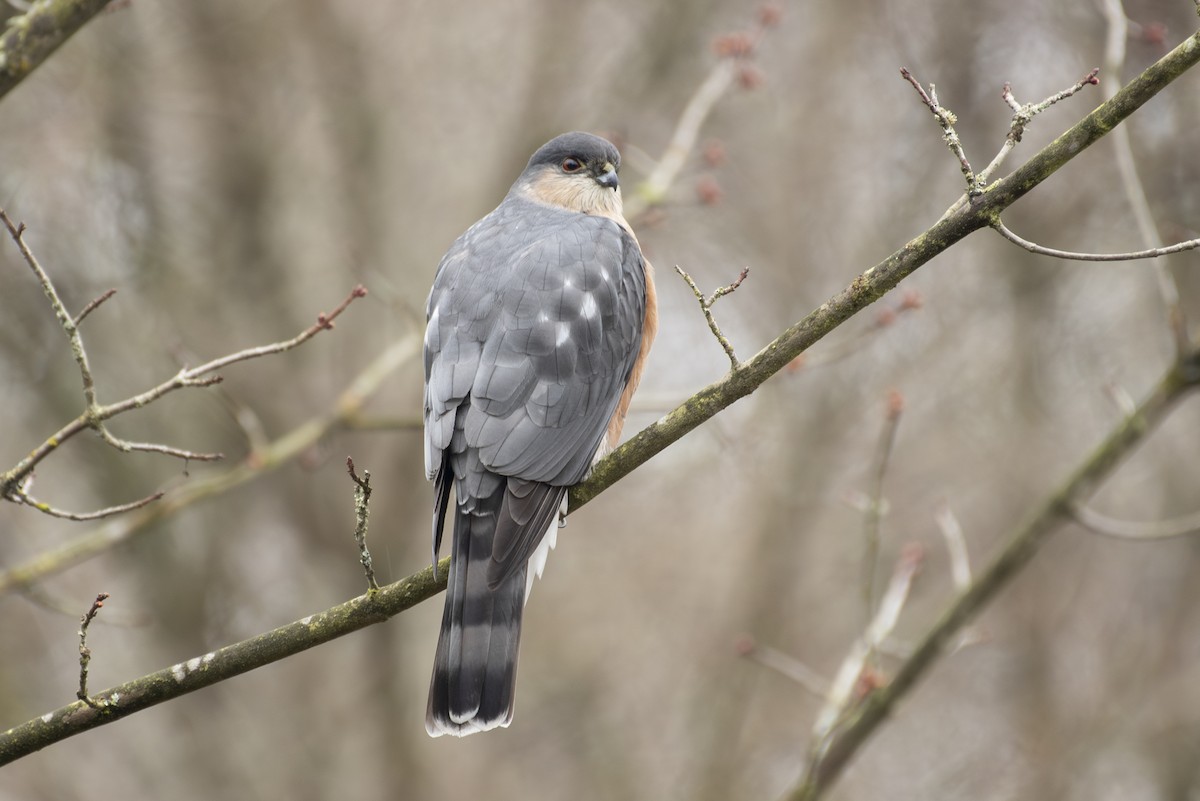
x=475, y=667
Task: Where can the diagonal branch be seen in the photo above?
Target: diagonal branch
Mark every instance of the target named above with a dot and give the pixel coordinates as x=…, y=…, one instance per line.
x=876, y=281
x=257, y=463
x=1020, y=548
x=31, y=38
x=233, y=660
x=225, y=663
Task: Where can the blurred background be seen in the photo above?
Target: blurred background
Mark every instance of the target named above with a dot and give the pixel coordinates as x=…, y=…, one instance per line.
x=232, y=169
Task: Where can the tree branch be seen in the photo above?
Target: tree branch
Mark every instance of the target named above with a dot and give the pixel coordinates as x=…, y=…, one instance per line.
x=365, y=610
x=257, y=463
x=1021, y=547
x=872, y=284
x=1151, y=253
x=95, y=414
x=225, y=663
x=30, y=38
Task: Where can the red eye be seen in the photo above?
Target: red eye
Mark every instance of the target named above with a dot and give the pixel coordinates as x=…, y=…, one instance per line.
x=571, y=165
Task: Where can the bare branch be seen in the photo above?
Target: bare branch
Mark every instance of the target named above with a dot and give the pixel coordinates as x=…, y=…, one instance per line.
x=233, y=660
x=126, y=446
x=362, y=499
x=875, y=508
x=733, y=51
x=21, y=496
x=31, y=39
x=785, y=665
x=1131, y=181
x=846, y=687
x=861, y=721
x=872, y=284
x=258, y=462
x=325, y=322
x=95, y=414
x=1022, y=116
x=946, y=119
x=210, y=668
x=93, y=305
x=1151, y=253
x=706, y=304
x=85, y=653
x=17, y=232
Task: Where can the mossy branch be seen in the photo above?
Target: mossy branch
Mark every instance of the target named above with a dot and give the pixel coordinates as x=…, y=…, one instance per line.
x=224, y=663
x=875, y=282
x=29, y=39
x=208, y=669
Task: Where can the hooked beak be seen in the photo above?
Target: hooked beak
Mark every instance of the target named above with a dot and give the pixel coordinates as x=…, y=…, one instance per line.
x=608, y=178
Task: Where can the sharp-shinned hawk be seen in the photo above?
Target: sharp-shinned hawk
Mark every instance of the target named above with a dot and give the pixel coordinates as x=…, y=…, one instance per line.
x=539, y=323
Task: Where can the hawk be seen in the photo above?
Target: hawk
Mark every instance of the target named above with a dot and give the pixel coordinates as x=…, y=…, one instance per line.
x=539, y=322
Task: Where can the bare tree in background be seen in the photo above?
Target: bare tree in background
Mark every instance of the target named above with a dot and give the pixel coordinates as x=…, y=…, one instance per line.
x=216, y=181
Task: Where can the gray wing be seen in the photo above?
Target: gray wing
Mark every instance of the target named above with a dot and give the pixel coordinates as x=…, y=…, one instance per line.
x=535, y=321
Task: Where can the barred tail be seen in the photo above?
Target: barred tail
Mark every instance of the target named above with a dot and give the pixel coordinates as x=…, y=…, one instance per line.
x=475, y=667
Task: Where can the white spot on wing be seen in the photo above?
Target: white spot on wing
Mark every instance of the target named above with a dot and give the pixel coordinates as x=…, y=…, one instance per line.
x=563, y=333
x=589, y=305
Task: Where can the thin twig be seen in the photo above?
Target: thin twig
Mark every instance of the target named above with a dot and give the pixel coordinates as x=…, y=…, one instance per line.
x=1024, y=545
x=21, y=496
x=1022, y=116
x=325, y=322
x=258, y=463
x=785, y=665
x=1151, y=253
x=85, y=653
x=362, y=500
x=1135, y=191
x=946, y=119
x=876, y=506
x=706, y=304
x=17, y=232
x=842, y=694
x=93, y=305
x=654, y=188
x=1133, y=530
x=1021, y=547
x=95, y=414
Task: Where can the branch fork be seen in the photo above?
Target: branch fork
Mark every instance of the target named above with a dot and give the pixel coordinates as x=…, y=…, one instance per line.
x=706, y=304
x=14, y=482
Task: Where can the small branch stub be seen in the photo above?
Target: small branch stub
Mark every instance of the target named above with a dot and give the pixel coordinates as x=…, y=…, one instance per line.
x=85, y=653
x=706, y=304
x=362, y=498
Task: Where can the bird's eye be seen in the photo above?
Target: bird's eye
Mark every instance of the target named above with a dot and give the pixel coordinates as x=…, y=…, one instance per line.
x=571, y=165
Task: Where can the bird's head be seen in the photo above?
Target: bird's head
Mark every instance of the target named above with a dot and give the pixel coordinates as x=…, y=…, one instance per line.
x=576, y=171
